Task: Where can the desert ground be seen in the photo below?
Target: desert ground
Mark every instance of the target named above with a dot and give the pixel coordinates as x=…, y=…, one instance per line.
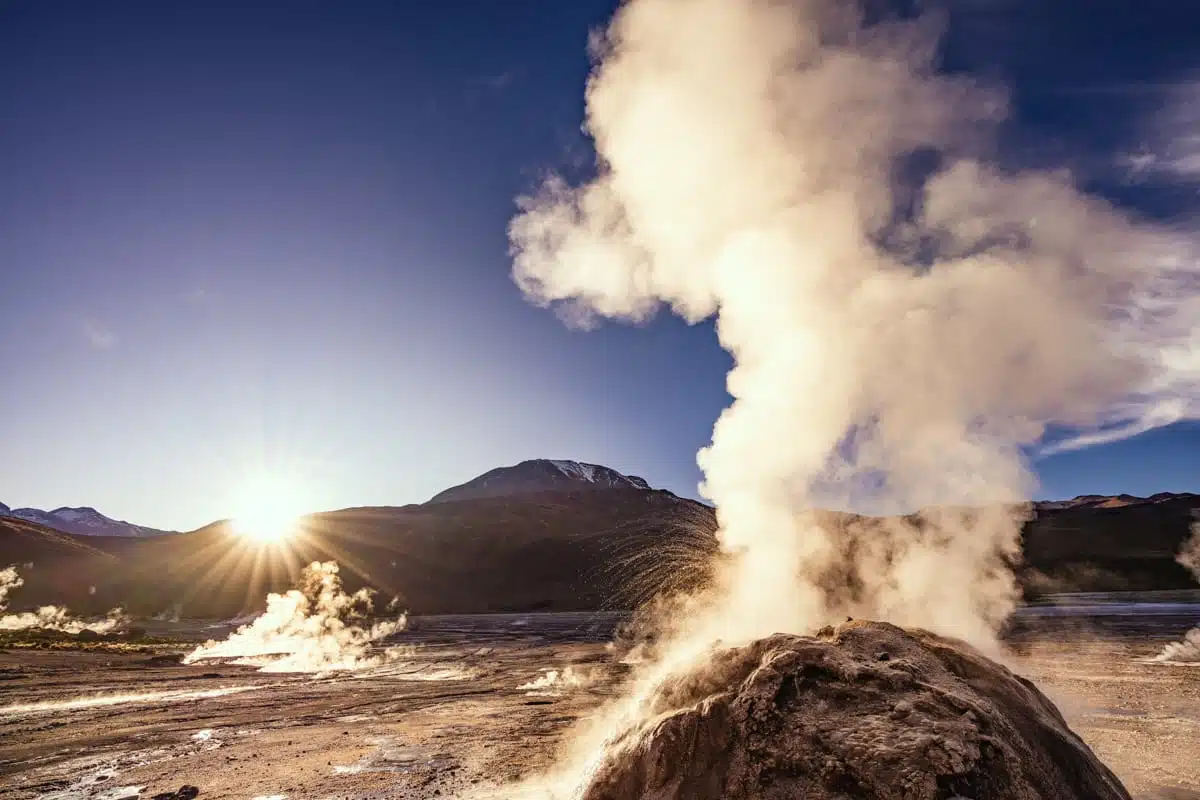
x=448, y=717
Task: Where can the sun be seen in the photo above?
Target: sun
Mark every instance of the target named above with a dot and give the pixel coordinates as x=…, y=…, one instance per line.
x=269, y=509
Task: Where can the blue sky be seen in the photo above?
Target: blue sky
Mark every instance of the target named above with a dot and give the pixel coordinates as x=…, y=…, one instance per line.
x=246, y=236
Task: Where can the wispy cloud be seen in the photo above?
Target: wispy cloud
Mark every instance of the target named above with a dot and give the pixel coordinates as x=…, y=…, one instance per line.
x=501, y=80
x=1177, y=162
x=1161, y=415
x=197, y=296
x=99, y=336
x=1170, y=137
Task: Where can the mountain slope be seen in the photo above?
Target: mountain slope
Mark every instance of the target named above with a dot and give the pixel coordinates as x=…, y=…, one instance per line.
x=540, y=475
x=55, y=566
x=1100, y=543
x=23, y=542
x=589, y=546
x=560, y=551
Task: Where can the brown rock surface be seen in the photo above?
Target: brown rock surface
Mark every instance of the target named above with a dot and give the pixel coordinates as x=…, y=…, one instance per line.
x=868, y=711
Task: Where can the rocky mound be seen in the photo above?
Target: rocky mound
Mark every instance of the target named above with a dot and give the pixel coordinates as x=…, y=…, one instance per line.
x=867, y=711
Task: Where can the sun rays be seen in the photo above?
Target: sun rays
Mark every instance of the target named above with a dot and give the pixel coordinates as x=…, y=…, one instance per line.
x=269, y=508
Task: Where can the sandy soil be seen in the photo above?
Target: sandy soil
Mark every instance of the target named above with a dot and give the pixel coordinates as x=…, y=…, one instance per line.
x=1141, y=718
x=448, y=718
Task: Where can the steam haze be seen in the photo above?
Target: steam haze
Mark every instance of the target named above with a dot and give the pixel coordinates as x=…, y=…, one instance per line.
x=50, y=617
x=317, y=627
x=905, y=317
x=1188, y=650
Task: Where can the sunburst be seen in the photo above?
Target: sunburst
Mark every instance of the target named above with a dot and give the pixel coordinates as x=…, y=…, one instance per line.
x=269, y=509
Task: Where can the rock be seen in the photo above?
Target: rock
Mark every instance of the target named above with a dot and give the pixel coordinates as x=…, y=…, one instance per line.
x=826, y=718
x=185, y=792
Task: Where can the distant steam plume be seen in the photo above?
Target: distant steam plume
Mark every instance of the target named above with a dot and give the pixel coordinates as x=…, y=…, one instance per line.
x=172, y=614
x=49, y=617
x=317, y=627
x=10, y=579
x=1188, y=650
x=905, y=317
x=553, y=681
x=1189, y=554
x=1183, y=652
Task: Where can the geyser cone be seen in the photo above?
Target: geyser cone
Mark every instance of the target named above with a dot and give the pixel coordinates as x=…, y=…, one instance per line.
x=867, y=711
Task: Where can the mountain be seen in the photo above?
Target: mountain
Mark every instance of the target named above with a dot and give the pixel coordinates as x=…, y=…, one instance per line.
x=572, y=550
x=1108, y=543
x=1112, y=501
x=83, y=521
x=597, y=540
x=26, y=542
x=540, y=475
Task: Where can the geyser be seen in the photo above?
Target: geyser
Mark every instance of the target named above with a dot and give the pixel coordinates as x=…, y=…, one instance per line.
x=317, y=627
x=907, y=317
x=50, y=617
x=1186, y=651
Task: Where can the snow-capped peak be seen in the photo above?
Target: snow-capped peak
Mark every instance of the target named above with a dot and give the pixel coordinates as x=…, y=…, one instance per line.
x=84, y=521
x=83, y=516
x=573, y=469
x=540, y=475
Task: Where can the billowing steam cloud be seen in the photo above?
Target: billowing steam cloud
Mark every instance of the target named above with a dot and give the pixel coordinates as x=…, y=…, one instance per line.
x=905, y=316
x=317, y=627
x=1188, y=650
x=49, y=617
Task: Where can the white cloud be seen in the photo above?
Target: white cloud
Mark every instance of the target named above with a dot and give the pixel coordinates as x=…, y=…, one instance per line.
x=1170, y=146
x=99, y=336
x=197, y=296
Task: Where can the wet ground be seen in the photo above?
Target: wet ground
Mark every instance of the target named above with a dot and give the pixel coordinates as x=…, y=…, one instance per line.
x=447, y=717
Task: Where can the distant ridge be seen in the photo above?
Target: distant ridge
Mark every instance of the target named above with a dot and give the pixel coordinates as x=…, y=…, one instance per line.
x=81, y=521
x=540, y=475
x=528, y=477
x=1113, y=501
x=541, y=535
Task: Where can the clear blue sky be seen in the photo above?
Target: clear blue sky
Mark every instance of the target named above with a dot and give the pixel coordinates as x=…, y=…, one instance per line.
x=237, y=235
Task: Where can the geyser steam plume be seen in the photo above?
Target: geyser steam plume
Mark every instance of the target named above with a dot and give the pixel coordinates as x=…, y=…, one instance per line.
x=1188, y=650
x=317, y=627
x=905, y=316
x=49, y=617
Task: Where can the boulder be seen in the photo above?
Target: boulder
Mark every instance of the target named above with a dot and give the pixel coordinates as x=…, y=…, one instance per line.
x=866, y=711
